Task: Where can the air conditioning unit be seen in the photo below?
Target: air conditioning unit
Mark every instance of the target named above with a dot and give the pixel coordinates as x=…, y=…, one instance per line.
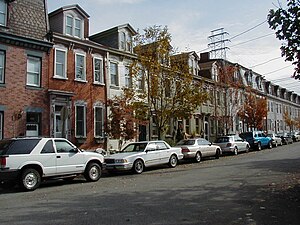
x=32, y=130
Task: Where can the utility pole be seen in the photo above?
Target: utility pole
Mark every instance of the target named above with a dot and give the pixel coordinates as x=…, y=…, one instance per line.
x=217, y=44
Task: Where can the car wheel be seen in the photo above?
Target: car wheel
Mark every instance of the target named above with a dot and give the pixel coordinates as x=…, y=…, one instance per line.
x=247, y=148
x=258, y=146
x=281, y=143
x=30, y=179
x=217, y=154
x=235, y=151
x=198, y=157
x=92, y=172
x=138, y=166
x=270, y=145
x=173, y=161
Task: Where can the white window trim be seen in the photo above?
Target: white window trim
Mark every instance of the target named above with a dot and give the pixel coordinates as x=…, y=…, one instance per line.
x=84, y=120
x=65, y=63
x=1, y=124
x=84, y=67
x=103, y=112
x=118, y=74
x=74, y=18
x=4, y=13
x=101, y=70
x=39, y=60
x=3, y=68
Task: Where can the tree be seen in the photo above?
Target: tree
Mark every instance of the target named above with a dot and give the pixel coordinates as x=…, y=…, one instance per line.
x=171, y=90
x=288, y=120
x=286, y=23
x=254, y=110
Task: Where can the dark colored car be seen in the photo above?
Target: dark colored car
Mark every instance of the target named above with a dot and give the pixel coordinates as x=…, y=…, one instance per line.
x=286, y=138
x=257, y=139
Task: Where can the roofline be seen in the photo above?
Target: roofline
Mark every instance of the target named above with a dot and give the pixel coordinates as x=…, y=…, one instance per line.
x=67, y=7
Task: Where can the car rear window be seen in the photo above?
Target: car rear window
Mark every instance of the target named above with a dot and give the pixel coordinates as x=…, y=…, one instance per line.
x=186, y=142
x=222, y=139
x=15, y=147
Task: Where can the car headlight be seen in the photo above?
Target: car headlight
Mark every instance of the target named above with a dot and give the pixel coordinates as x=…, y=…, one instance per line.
x=121, y=161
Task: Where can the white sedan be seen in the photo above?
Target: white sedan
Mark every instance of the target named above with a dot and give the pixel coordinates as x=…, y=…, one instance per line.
x=198, y=148
x=138, y=155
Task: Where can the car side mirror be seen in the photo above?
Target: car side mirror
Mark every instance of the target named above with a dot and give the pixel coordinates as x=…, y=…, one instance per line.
x=74, y=150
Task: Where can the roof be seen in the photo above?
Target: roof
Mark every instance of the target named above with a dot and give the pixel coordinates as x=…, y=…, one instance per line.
x=114, y=29
x=70, y=7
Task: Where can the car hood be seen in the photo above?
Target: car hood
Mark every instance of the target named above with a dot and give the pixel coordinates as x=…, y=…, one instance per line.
x=124, y=155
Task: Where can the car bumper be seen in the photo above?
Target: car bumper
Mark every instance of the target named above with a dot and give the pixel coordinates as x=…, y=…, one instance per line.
x=125, y=166
x=227, y=150
x=9, y=175
x=189, y=155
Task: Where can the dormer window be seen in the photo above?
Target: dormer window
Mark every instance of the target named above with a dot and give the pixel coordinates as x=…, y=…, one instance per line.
x=73, y=26
x=125, y=42
x=3, y=12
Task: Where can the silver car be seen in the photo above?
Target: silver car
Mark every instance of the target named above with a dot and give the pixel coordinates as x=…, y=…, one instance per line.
x=276, y=139
x=138, y=155
x=232, y=144
x=198, y=148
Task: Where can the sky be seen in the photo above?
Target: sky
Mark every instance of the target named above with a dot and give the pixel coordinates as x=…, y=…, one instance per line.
x=252, y=43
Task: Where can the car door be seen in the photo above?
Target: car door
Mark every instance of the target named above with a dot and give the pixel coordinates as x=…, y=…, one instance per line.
x=164, y=152
x=152, y=155
x=240, y=143
x=69, y=158
x=48, y=159
x=206, y=148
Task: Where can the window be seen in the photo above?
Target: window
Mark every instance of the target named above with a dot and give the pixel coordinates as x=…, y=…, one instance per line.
x=3, y=12
x=98, y=71
x=63, y=146
x=114, y=78
x=73, y=26
x=2, y=66
x=123, y=40
x=1, y=125
x=80, y=117
x=33, y=71
x=60, y=64
x=99, y=121
x=80, y=67
x=140, y=80
x=48, y=148
x=25, y=146
x=128, y=80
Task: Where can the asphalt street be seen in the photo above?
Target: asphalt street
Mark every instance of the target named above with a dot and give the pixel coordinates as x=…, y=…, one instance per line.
x=255, y=188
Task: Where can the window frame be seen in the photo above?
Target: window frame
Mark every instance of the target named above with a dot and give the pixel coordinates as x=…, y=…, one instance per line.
x=39, y=74
x=128, y=77
x=64, y=76
x=101, y=74
x=101, y=121
x=4, y=13
x=73, y=26
x=117, y=84
x=2, y=78
x=83, y=121
x=1, y=124
x=83, y=67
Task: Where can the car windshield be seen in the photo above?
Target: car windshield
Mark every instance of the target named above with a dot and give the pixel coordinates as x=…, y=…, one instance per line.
x=186, y=142
x=222, y=139
x=135, y=147
x=270, y=135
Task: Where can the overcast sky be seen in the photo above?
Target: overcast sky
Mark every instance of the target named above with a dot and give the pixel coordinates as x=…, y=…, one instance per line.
x=190, y=22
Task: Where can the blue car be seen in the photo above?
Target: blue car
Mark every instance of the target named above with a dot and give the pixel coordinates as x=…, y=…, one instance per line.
x=257, y=139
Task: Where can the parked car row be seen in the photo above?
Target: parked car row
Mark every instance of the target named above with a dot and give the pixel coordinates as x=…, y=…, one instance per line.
x=29, y=161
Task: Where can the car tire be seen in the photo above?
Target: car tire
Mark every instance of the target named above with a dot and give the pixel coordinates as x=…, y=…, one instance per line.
x=138, y=166
x=247, y=148
x=258, y=146
x=30, y=179
x=270, y=146
x=198, y=157
x=281, y=143
x=92, y=172
x=235, y=151
x=173, y=161
x=218, y=153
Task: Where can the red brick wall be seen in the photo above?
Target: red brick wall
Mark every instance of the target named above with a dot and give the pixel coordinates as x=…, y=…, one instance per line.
x=15, y=96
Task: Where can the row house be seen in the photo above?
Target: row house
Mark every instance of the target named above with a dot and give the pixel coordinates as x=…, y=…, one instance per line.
x=24, y=55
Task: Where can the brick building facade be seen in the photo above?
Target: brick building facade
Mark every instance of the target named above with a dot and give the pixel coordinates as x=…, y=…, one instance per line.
x=24, y=48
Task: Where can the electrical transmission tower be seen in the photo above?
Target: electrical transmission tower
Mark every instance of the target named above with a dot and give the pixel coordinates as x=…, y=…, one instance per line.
x=217, y=44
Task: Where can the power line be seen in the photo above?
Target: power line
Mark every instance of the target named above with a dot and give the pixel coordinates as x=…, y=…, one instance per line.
x=251, y=40
x=277, y=70
x=270, y=60
x=246, y=31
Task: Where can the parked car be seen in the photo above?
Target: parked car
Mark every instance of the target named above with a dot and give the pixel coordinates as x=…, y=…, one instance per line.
x=198, y=148
x=295, y=136
x=276, y=139
x=232, y=144
x=286, y=138
x=257, y=139
x=28, y=161
x=138, y=155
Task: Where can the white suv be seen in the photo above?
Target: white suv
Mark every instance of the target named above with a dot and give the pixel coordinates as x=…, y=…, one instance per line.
x=28, y=161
